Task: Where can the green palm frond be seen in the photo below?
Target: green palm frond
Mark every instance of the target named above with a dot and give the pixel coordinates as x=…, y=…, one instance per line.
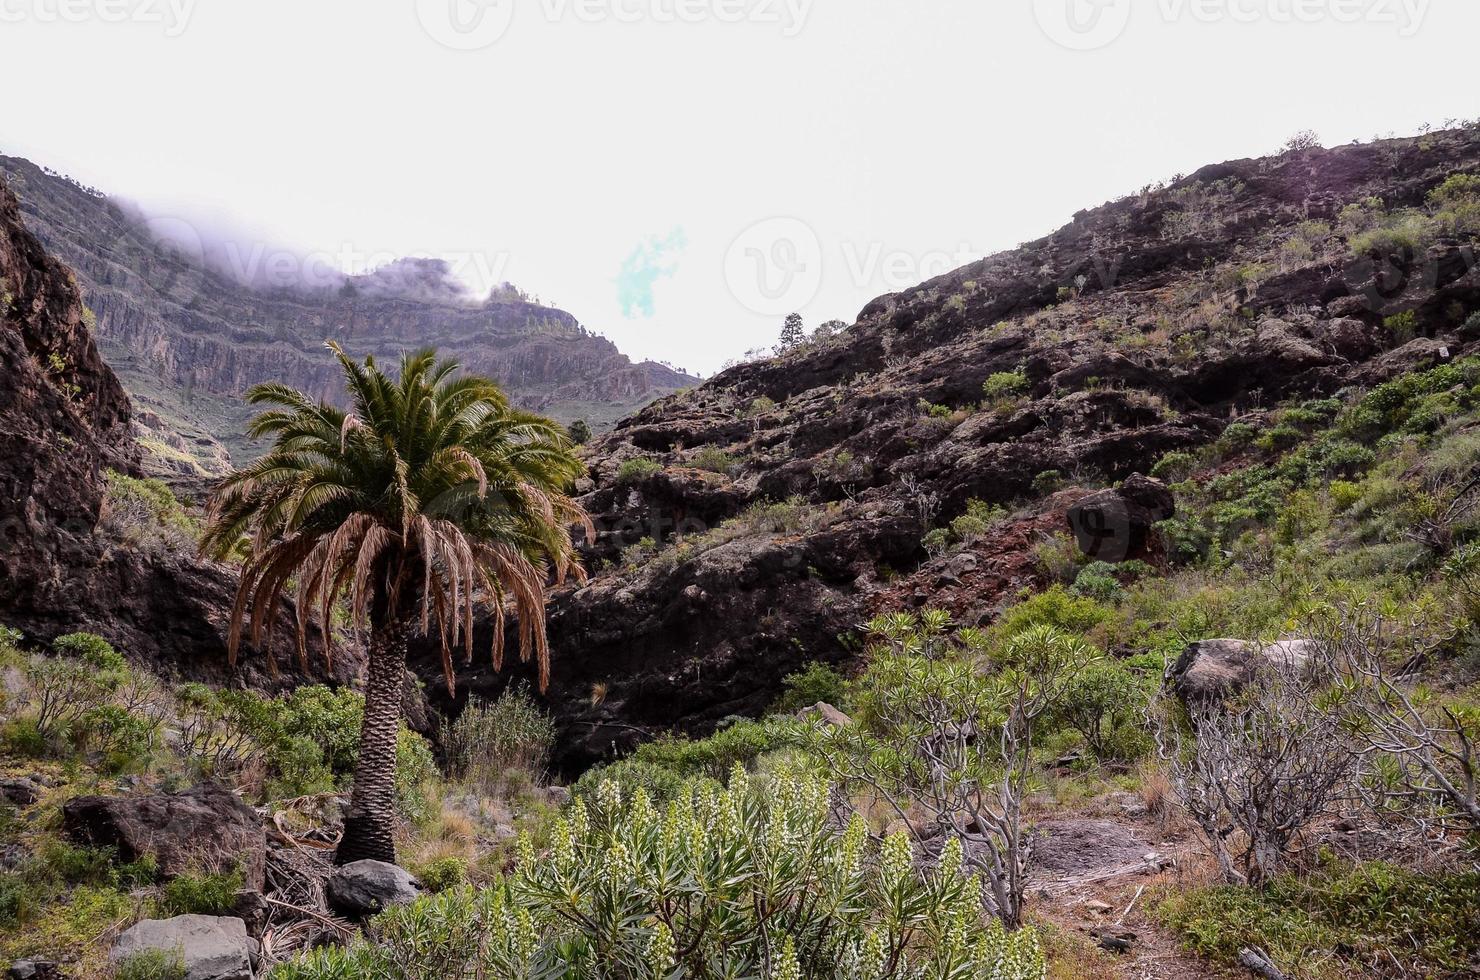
x=427, y=497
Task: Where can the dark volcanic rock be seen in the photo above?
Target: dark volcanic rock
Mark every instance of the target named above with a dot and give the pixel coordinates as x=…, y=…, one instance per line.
x=64, y=420
x=203, y=829
x=1115, y=525
x=1136, y=333
x=363, y=888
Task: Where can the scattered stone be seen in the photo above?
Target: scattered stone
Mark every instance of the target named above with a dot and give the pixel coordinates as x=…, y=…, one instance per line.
x=829, y=715
x=1098, y=907
x=213, y=947
x=251, y=907
x=1130, y=804
x=363, y=888
x=20, y=791
x=202, y=829
x=557, y=795
x=1116, y=941
x=34, y=970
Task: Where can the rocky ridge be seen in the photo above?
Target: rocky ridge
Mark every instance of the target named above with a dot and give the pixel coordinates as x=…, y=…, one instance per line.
x=65, y=420
x=1143, y=327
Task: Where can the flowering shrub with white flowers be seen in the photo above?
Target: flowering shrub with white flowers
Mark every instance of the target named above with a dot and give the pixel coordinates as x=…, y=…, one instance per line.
x=750, y=882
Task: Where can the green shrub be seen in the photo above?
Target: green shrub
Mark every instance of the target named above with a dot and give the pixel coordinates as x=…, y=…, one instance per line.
x=1402, y=327
x=146, y=514
x=489, y=740
x=201, y=894
x=1369, y=919
x=1175, y=467
x=416, y=770
x=1047, y=482
x=1105, y=703
x=1059, y=558
x=443, y=874
x=1005, y=385
x=738, y=745
x=937, y=541
x=628, y=891
x=660, y=783
x=79, y=865
x=19, y=900
x=23, y=738
x=91, y=649
x=151, y=964
x=980, y=519
x=638, y=470
x=816, y=682
x=713, y=459
x=1098, y=581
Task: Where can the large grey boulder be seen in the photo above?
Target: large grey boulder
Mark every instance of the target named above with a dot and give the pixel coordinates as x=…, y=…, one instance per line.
x=212, y=947
x=1211, y=671
x=827, y=713
x=364, y=888
x=202, y=829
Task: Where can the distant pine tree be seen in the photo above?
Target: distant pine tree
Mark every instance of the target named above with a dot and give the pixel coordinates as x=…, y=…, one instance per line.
x=792, y=333
x=580, y=432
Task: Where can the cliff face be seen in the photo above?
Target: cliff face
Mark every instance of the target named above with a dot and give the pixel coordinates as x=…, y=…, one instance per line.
x=190, y=340
x=1144, y=327
x=65, y=421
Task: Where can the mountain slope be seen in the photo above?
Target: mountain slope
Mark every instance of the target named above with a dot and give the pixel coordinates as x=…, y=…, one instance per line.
x=189, y=339
x=65, y=423
x=1025, y=381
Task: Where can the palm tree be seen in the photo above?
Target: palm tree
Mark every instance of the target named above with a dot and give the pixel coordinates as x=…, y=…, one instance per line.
x=429, y=496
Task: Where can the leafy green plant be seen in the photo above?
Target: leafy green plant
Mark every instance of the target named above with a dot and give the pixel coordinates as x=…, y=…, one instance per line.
x=1344, y=920
x=637, y=470
x=491, y=739
x=443, y=874
x=712, y=459
x=151, y=964
x=920, y=742
x=1005, y=387
x=201, y=894
x=1098, y=580
x=1106, y=703
x=817, y=682
x=751, y=880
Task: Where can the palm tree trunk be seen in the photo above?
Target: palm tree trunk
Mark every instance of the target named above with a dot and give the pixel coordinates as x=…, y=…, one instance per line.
x=370, y=822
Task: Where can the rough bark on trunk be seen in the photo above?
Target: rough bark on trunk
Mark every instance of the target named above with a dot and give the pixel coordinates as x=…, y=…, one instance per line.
x=370, y=822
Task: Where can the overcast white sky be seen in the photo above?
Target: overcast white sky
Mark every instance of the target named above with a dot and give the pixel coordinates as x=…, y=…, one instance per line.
x=681, y=173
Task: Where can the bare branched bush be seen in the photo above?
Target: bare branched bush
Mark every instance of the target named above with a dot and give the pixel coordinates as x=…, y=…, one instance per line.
x=1420, y=750
x=1256, y=771
x=947, y=748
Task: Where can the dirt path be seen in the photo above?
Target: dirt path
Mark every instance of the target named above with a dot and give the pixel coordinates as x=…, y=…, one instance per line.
x=1098, y=878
